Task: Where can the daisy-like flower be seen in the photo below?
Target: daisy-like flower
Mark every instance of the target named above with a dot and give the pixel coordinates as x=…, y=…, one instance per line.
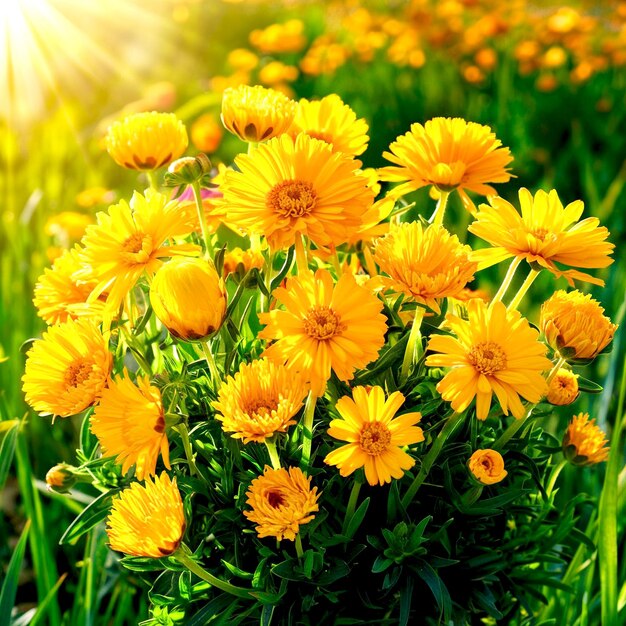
x=67, y=369
x=189, y=297
x=584, y=442
x=129, y=423
x=325, y=327
x=563, y=388
x=332, y=121
x=487, y=466
x=449, y=153
x=127, y=241
x=546, y=233
x=281, y=502
x=375, y=436
x=261, y=399
x=59, y=296
x=147, y=520
x=256, y=113
x=574, y=324
x=426, y=264
x=248, y=259
x=494, y=351
x=291, y=187
x=146, y=141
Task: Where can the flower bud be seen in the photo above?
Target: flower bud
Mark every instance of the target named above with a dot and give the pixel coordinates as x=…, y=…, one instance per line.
x=189, y=298
x=187, y=170
x=584, y=442
x=563, y=388
x=487, y=466
x=61, y=478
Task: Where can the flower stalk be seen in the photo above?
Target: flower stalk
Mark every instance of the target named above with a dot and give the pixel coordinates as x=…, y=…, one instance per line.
x=307, y=430
x=414, y=344
x=442, y=203
x=530, y=279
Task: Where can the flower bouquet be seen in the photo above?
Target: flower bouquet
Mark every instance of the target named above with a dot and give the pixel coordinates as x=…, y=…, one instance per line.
x=295, y=408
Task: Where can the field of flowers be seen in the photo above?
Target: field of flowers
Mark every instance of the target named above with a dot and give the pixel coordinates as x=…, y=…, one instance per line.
x=312, y=313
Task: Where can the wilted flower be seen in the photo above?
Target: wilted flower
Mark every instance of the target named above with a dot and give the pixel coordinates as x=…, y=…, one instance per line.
x=487, y=466
x=281, y=502
x=575, y=325
x=146, y=141
x=189, y=297
x=584, y=442
x=563, y=388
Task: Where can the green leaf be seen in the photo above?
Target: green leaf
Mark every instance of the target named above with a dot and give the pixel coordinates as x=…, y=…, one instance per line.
x=381, y=564
x=405, y=602
x=588, y=386
x=439, y=590
x=91, y=516
x=284, y=269
x=357, y=518
x=7, y=450
x=42, y=608
x=9, y=586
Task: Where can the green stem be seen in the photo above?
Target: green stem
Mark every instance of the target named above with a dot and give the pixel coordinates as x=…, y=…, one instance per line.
x=554, y=475
x=151, y=180
x=354, y=496
x=206, y=238
x=506, y=283
x=216, y=379
x=184, y=436
x=514, y=426
x=414, y=344
x=271, y=448
x=200, y=572
x=307, y=430
x=553, y=372
x=299, y=550
x=301, y=257
x=472, y=495
x=428, y=461
x=437, y=217
x=530, y=279
x=269, y=275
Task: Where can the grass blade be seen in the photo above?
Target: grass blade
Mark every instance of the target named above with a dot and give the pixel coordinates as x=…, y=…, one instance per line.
x=9, y=586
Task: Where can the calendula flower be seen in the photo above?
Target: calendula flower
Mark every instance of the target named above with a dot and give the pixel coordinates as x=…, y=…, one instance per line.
x=256, y=113
x=59, y=296
x=281, y=502
x=68, y=226
x=332, y=121
x=574, y=324
x=487, y=466
x=584, y=442
x=563, y=388
x=261, y=399
x=292, y=187
x=374, y=434
x=67, y=369
x=546, y=233
x=426, y=264
x=147, y=520
x=127, y=241
x=207, y=133
x=146, y=141
x=325, y=327
x=248, y=259
x=494, y=351
x=449, y=153
x=129, y=423
x=189, y=297
x=374, y=221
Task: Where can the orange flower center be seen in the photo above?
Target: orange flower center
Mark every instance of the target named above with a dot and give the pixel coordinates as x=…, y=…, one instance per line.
x=375, y=438
x=487, y=357
x=261, y=406
x=540, y=233
x=321, y=323
x=487, y=463
x=327, y=137
x=292, y=198
x=77, y=373
x=275, y=498
x=136, y=248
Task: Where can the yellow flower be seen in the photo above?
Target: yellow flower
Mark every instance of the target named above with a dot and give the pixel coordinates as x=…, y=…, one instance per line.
x=325, y=327
x=545, y=233
x=375, y=436
x=249, y=259
x=147, y=520
x=128, y=241
x=563, y=388
x=290, y=187
x=374, y=224
x=575, y=325
x=59, y=297
x=332, y=121
x=146, y=141
x=487, y=466
x=68, y=226
x=242, y=59
x=129, y=423
x=275, y=72
x=449, y=153
x=206, y=133
x=189, y=297
x=67, y=369
x=281, y=502
x=261, y=399
x=256, y=113
x=494, y=351
x=93, y=196
x=426, y=264
x=286, y=37
x=584, y=442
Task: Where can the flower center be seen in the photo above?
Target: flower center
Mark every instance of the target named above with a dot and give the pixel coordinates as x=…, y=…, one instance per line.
x=261, y=407
x=540, y=233
x=327, y=137
x=487, y=357
x=136, y=248
x=77, y=373
x=375, y=438
x=292, y=198
x=321, y=322
x=275, y=498
x=486, y=463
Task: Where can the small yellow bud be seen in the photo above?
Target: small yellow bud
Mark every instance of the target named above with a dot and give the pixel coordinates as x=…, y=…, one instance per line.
x=61, y=478
x=584, y=442
x=563, y=388
x=487, y=466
